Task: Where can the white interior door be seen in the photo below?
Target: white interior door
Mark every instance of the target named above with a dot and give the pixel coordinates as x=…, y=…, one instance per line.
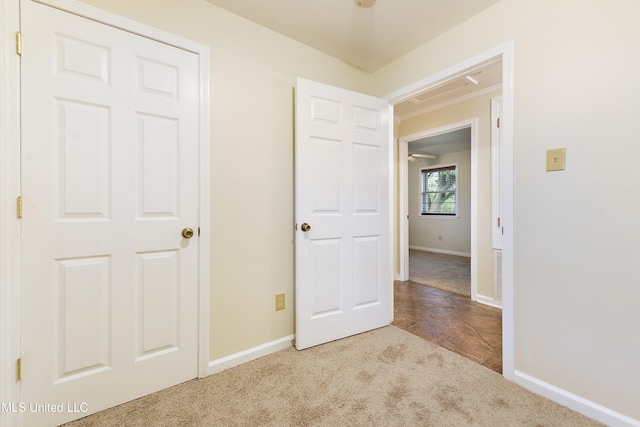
x=110, y=178
x=343, y=260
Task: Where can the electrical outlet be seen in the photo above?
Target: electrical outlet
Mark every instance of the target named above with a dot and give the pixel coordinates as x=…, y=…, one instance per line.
x=279, y=302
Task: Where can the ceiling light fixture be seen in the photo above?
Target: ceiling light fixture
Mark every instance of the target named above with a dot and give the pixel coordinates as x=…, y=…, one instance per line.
x=472, y=80
x=365, y=3
x=416, y=157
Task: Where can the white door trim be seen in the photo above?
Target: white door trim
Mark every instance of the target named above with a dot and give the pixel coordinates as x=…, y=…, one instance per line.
x=10, y=183
x=506, y=52
x=404, y=196
x=496, y=233
x=403, y=208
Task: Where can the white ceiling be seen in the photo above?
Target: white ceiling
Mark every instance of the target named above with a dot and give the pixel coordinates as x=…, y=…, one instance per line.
x=437, y=145
x=370, y=38
x=484, y=79
x=367, y=38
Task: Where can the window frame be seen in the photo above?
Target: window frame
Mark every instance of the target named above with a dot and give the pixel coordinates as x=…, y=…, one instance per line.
x=439, y=215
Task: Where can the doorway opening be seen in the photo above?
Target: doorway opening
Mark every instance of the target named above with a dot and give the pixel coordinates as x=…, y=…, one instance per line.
x=452, y=144
x=504, y=55
x=436, y=296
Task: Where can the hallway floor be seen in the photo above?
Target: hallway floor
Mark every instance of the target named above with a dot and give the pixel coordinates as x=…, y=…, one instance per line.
x=471, y=329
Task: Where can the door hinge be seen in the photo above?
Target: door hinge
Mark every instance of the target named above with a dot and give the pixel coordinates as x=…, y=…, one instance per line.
x=19, y=207
x=498, y=121
x=19, y=369
x=498, y=221
x=19, y=43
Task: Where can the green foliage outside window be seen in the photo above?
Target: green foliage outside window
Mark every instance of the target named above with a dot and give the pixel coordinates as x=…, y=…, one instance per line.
x=438, y=191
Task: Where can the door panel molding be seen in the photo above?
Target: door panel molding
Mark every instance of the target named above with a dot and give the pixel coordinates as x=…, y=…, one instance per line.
x=343, y=160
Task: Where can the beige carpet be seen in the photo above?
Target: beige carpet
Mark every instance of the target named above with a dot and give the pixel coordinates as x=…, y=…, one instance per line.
x=386, y=377
x=443, y=271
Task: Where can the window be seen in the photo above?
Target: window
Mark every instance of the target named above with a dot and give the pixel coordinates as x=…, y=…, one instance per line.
x=438, y=188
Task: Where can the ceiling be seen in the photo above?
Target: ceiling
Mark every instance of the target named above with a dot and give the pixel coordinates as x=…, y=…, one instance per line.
x=437, y=145
x=476, y=81
x=367, y=38
x=370, y=38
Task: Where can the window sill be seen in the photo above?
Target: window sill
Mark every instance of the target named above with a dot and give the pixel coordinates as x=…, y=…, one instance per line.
x=440, y=216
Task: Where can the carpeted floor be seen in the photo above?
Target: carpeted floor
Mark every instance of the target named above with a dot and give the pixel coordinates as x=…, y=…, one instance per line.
x=386, y=377
x=443, y=271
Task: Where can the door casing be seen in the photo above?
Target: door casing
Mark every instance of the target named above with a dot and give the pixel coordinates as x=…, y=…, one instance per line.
x=10, y=173
x=9, y=191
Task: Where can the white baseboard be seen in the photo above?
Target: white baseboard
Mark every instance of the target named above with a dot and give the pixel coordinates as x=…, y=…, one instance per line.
x=245, y=356
x=440, y=251
x=576, y=403
x=488, y=301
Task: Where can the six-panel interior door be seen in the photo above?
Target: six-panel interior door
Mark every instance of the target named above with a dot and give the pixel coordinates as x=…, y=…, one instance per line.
x=343, y=262
x=110, y=178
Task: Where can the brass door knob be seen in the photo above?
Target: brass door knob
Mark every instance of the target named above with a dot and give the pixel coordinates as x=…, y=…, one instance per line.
x=187, y=232
x=305, y=227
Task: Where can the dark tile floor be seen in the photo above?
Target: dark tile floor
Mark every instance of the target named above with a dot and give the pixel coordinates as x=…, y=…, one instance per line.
x=471, y=329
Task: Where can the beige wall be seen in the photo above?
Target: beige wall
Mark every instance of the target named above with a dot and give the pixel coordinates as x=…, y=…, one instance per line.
x=481, y=108
x=577, y=242
x=577, y=239
x=253, y=72
x=455, y=232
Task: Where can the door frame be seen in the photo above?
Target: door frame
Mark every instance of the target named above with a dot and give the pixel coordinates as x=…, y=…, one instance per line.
x=403, y=194
x=505, y=52
x=10, y=173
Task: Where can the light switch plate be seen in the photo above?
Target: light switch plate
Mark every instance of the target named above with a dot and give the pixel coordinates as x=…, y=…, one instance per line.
x=556, y=159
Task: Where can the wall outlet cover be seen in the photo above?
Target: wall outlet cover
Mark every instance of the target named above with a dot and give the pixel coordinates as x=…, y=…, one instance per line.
x=280, y=302
x=556, y=159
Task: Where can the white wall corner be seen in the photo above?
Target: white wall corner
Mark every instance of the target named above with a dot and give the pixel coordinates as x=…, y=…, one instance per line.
x=248, y=355
x=576, y=403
